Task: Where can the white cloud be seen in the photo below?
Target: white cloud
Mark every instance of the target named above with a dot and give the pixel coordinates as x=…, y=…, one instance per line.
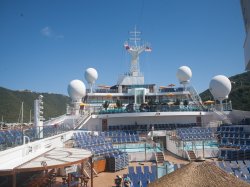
x=48, y=32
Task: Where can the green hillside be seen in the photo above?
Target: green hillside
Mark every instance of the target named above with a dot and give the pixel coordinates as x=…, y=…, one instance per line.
x=240, y=94
x=10, y=104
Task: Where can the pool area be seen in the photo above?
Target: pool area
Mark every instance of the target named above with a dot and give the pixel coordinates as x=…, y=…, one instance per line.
x=198, y=145
x=138, y=147
x=167, y=168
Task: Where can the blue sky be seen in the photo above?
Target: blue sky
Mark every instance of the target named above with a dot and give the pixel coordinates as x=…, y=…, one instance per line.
x=46, y=44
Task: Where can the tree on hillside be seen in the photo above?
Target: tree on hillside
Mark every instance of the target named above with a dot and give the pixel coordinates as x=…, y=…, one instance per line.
x=177, y=102
x=105, y=105
x=118, y=103
x=185, y=103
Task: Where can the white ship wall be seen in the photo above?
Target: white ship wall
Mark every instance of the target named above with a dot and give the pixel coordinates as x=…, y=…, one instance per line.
x=151, y=120
x=14, y=157
x=93, y=124
x=140, y=156
x=147, y=118
x=172, y=147
x=239, y=115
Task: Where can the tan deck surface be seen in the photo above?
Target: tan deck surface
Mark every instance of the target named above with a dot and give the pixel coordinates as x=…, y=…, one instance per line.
x=106, y=179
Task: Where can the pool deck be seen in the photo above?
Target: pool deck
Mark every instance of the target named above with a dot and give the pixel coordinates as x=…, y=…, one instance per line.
x=106, y=179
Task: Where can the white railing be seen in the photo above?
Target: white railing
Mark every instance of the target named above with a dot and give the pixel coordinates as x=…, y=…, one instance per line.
x=222, y=116
x=188, y=157
x=83, y=120
x=195, y=96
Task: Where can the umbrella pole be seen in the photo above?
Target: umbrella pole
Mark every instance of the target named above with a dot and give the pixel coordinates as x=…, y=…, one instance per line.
x=203, y=148
x=91, y=160
x=14, y=179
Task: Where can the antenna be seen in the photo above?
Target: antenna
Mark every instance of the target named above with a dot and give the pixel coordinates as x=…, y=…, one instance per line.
x=135, y=49
x=135, y=36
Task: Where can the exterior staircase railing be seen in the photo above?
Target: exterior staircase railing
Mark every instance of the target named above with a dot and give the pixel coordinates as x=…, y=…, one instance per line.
x=87, y=170
x=82, y=121
x=191, y=155
x=195, y=97
x=223, y=117
x=159, y=157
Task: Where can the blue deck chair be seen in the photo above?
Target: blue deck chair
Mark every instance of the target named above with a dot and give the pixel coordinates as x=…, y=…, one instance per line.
x=138, y=170
x=131, y=170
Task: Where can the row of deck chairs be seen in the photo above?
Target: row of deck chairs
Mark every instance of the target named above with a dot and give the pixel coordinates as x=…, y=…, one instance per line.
x=14, y=137
x=9, y=138
x=171, y=126
x=145, y=127
x=234, y=154
x=120, y=140
x=233, y=136
x=196, y=137
x=230, y=142
x=122, y=136
x=100, y=146
x=195, y=134
x=194, y=130
x=96, y=144
x=239, y=168
x=118, y=133
x=142, y=178
x=117, y=161
x=231, y=129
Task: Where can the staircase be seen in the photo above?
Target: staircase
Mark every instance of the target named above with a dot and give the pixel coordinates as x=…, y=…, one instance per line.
x=87, y=170
x=159, y=156
x=82, y=121
x=191, y=155
x=195, y=96
x=222, y=116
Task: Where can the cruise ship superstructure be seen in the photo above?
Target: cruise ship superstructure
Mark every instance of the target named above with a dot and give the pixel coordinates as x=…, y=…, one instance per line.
x=146, y=103
x=102, y=118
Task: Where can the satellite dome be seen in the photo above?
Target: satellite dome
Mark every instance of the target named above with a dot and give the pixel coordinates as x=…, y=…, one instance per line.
x=91, y=75
x=220, y=87
x=184, y=74
x=76, y=90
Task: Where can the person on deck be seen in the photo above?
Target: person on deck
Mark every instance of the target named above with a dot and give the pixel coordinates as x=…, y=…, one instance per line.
x=118, y=181
x=127, y=181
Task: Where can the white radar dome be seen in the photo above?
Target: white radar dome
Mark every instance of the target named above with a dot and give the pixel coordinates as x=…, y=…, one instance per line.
x=91, y=75
x=76, y=90
x=220, y=87
x=184, y=74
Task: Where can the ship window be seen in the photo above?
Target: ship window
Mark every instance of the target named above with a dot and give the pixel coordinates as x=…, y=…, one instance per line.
x=139, y=95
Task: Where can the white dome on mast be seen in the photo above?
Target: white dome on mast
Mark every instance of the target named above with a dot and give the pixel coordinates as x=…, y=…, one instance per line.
x=220, y=87
x=76, y=90
x=91, y=76
x=184, y=74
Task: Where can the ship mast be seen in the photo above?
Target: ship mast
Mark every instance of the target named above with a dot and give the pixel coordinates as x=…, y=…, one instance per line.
x=135, y=48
